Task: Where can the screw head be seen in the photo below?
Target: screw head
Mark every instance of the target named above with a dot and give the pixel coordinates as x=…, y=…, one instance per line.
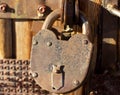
x=35, y=75
x=3, y=7
x=76, y=82
x=49, y=44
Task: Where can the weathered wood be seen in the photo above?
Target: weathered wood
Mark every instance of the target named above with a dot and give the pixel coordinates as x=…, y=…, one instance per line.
x=23, y=37
x=5, y=39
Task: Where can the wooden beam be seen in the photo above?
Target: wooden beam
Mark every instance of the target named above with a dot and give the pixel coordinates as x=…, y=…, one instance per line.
x=5, y=38
x=23, y=38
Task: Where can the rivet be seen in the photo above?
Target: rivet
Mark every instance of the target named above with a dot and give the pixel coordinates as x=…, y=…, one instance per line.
x=59, y=48
x=41, y=10
x=19, y=62
x=35, y=42
x=76, y=82
x=3, y=7
x=86, y=42
x=12, y=62
x=49, y=43
x=93, y=93
x=34, y=75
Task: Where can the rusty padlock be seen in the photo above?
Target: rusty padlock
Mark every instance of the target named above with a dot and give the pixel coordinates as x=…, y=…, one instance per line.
x=61, y=66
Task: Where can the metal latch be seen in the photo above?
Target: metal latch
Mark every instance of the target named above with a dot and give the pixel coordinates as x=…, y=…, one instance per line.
x=61, y=66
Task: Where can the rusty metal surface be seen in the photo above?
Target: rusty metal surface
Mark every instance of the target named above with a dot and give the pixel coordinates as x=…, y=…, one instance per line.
x=27, y=9
x=16, y=79
x=73, y=57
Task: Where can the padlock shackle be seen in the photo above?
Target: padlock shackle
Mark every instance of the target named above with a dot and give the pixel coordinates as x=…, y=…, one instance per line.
x=51, y=18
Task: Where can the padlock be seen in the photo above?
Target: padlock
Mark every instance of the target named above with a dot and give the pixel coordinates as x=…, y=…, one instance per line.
x=61, y=66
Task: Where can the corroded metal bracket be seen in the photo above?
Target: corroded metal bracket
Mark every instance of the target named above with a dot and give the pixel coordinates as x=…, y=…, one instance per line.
x=27, y=9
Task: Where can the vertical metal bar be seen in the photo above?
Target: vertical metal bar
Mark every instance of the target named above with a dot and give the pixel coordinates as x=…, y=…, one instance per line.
x=99, y=45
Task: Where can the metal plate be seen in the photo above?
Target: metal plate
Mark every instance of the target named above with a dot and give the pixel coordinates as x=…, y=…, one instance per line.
x=16, y=79
x=27, y=9
x=73, y=55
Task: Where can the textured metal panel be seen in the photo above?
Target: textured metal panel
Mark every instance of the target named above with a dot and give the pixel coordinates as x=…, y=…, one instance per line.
x=16, y=79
